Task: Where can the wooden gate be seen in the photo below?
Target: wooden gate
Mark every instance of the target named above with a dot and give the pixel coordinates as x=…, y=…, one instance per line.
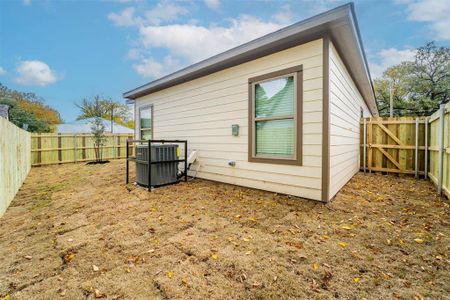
x=394, y=145
x=408, y=145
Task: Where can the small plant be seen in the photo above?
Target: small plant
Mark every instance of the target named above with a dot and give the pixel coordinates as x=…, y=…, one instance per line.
x=98, y=131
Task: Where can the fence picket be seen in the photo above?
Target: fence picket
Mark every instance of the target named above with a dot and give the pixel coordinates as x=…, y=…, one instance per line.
x=63, y=148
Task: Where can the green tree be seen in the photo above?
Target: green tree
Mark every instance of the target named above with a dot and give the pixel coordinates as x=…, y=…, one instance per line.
x=106, y=108
x=418, y=87
x=28, y=108
x=20, y=117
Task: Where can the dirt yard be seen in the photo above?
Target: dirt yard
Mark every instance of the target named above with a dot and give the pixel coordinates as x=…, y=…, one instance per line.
x=77, y=232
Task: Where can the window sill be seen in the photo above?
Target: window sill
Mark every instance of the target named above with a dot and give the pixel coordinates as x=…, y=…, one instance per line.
x=275, y=161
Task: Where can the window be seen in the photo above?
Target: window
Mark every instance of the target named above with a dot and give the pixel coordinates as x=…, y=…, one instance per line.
x=275, y=117
x=146, y=122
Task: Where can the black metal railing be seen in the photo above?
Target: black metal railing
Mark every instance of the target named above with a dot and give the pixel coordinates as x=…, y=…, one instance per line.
x=150, y=162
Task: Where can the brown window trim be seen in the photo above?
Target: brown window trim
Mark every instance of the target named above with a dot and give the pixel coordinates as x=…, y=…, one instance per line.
x=143, y=129
x=298, y=70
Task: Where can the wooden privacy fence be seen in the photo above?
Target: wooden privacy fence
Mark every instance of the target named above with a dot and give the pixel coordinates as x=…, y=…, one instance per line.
x=440, y=149
x=51, y=148
x=15, y=161
x=408, y=145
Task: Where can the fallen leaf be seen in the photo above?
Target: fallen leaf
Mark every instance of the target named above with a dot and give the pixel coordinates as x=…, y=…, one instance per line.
x=326, y=237
x=346, y=227
x=6, y=297
x=28, y=257
x=170, y=274
x=248, y=252
x=184, y=280
x=95, y=268
x=418, y=241
x=151, y=251
x=389, y=242
x=215, y=256
x=315, y=266
x=68, y=257
x=99, y=294
x=356, y=279
x=342, y=244
x=252, y=219
x=246, y=240
x=295, y=244
x=418, y=296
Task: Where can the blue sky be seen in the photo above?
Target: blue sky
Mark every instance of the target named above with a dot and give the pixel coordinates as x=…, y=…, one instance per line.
x=67, y=50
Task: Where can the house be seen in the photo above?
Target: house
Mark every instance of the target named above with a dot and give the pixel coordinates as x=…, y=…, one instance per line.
x=84, y=126
x=279, y=113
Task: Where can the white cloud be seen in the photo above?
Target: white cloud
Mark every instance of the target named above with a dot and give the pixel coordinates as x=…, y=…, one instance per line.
x=125, y=18
x=284, y=16
x=2, y=71
x=434, y=12
x=388, y=58
x=194, y=42
x=188, y=42
x=35, y=72
x=212, y=4
x=149, y=67
x=163, y=12
x=134, y=54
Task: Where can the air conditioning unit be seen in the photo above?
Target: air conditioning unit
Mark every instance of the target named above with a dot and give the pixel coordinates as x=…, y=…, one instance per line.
x=161, y=174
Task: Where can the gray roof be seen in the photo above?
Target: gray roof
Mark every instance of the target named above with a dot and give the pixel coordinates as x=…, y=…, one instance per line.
x=339, y=24
x=84, y=126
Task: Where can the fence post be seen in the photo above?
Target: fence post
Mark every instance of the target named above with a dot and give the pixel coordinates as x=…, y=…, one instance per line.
x=83, y=144
x=59, y=147
x=75, y=148
x=416, y=152
x=114, y=146
x=365, y=144
x=426, y=147
x=369, y=141
x=118, y=147
x=39, y=146
x=441, y=148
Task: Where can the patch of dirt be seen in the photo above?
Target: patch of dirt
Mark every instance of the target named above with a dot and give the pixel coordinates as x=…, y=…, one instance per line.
x=77, y=231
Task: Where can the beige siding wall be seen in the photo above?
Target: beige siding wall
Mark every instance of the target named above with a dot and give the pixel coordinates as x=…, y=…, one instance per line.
x=15, y=161
x=345, y=112
x=203, y=110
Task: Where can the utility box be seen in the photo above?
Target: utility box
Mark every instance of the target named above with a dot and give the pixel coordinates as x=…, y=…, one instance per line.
x=235, y=129
x=162, y=173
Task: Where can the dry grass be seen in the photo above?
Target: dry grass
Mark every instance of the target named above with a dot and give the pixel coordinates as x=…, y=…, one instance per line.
x=383, y=237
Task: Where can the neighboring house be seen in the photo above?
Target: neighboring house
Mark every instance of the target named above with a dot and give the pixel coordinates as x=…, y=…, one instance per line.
x=4, y=111
x=84, y=126
x=297, y=95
